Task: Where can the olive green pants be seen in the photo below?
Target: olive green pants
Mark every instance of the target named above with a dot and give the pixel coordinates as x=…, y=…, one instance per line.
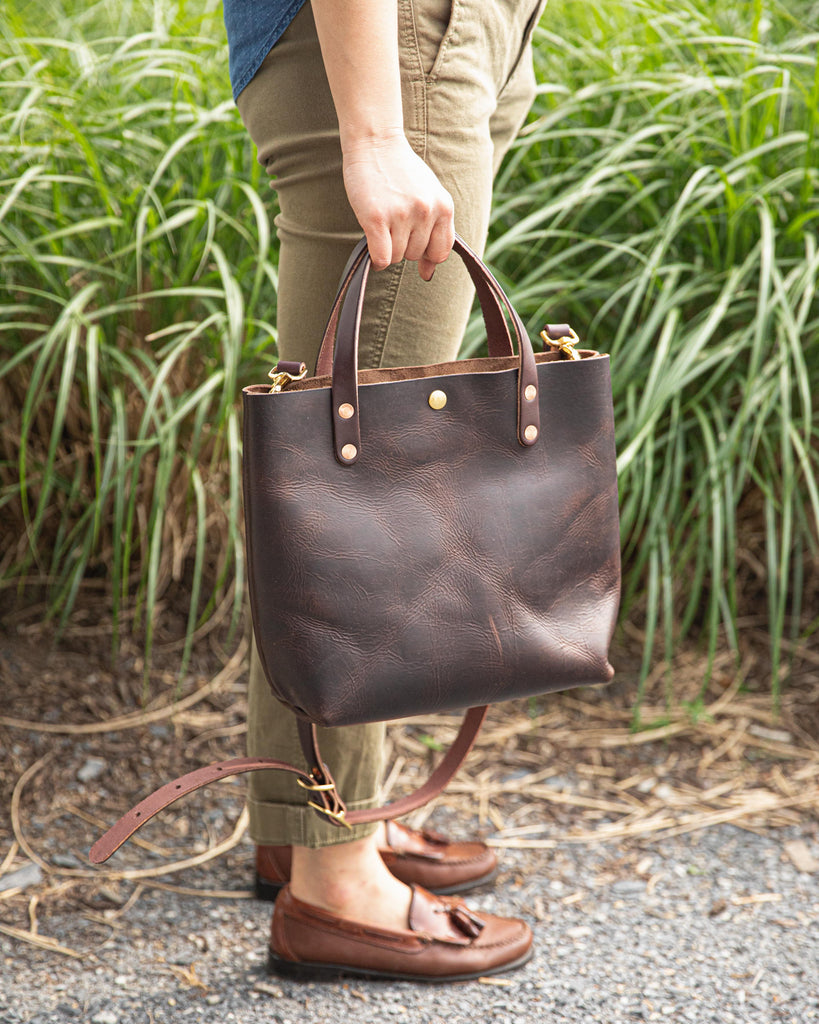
x=467, y=84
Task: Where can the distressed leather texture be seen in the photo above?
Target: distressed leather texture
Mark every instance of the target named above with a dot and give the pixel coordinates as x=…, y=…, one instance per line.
x=450, y=565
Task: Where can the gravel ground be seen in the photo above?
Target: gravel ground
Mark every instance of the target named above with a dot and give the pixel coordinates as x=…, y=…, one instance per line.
x=717, y=926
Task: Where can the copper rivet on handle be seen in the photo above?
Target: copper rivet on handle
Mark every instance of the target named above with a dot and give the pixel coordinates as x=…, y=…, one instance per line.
x=530, y=393
x=349, y=451
x=437, y=399
x=345, y=410
x=530, y=433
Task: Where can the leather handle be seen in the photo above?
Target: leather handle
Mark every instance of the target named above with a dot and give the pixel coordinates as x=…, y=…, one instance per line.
x=343, y=330
x=318, y=780
x=497, y=335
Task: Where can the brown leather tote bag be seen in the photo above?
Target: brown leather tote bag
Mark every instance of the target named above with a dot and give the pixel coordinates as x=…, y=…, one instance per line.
x=424, y=539
x=431, y=538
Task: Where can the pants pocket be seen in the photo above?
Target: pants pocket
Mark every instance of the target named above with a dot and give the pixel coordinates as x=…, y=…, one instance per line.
x=435, y=23
x=526, y=39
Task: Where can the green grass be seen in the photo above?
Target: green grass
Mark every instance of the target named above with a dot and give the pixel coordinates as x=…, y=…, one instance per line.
x=663, y=198
x=139, y=292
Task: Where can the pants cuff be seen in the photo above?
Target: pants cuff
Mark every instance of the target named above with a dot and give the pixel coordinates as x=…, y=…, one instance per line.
x=296, y=825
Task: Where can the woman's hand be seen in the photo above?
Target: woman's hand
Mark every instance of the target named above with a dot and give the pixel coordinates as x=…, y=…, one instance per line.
x=403, y=209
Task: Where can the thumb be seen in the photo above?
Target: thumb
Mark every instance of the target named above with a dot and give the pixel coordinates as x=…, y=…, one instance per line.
x=380, y=245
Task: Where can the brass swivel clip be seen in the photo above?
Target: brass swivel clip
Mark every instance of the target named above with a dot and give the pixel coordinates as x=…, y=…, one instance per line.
x=281, y=378
x=564, y=344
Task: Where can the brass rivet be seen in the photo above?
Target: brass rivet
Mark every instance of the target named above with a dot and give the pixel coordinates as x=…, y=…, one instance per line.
x=437, y=399
x=530, y=433
x=530, y=393
x=345, y=410
x=349, y=451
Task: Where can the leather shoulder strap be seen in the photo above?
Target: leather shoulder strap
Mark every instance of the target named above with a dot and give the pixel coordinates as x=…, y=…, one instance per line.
x=318, y=781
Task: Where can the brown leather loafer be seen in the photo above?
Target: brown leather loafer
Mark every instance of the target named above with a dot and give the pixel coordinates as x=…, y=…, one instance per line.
x=416, y=858
x=443, y=941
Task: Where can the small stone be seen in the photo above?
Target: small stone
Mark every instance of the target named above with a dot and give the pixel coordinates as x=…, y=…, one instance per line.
x=105, y=1017
x=579, y=932
x=66, y=860
x=560, y=783
x=182, y=959
x=28, y=875
x=775, y=735
x=801, y=857
x=213, y=999
x=93, y=768
x=268, y=989
x=629, y=887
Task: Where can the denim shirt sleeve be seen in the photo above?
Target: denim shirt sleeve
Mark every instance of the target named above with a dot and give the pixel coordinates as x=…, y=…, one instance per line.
x=253, y=28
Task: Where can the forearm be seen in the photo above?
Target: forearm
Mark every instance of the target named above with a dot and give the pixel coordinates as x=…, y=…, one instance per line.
x=403, y=209
x=359, y=46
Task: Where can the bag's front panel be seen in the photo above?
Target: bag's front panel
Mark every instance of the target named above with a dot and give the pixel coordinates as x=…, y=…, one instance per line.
x=449, y=566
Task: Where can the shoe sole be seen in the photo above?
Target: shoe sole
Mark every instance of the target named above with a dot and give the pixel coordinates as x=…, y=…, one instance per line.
x=305, y=970
x=268, y=891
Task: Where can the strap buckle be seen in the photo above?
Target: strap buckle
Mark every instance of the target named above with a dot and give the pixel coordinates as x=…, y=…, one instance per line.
x=337, y=817
x=316, y=787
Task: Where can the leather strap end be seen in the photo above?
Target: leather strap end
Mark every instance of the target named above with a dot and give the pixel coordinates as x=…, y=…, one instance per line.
x=293, y=368
x=557, y=332
x=528, y=403
x=161, y=798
